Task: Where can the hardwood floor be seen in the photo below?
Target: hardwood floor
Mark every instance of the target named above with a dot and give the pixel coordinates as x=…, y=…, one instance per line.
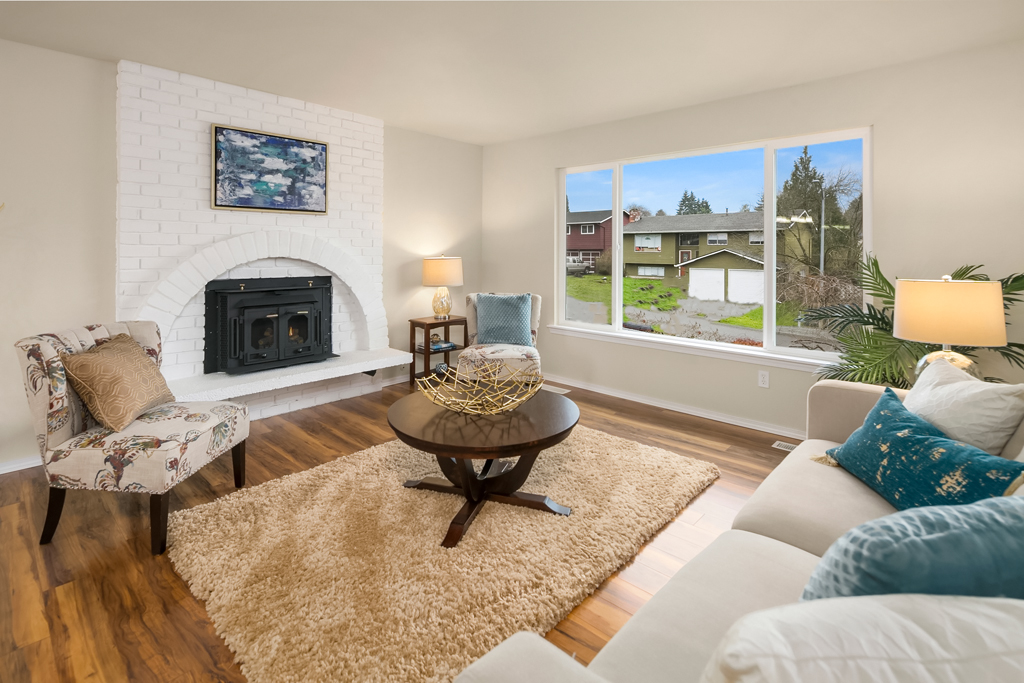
x=96, y=605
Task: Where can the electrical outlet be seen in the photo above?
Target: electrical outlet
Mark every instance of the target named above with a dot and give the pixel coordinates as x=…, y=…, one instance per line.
x=762, y=379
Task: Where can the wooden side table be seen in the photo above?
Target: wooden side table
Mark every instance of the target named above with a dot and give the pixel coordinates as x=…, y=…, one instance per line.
x=427, y=324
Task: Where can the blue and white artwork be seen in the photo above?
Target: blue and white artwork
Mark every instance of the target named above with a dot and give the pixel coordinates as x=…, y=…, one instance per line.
x=259, y=171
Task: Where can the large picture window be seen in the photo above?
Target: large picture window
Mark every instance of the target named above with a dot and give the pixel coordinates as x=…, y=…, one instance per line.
x=781, y=222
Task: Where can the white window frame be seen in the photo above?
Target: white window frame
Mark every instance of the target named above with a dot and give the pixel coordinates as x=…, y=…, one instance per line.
x=587, y=229
x=644, y=250
x=721, y=239
x=660, y=271
x=761, y=241
x=568, y=230
x=770, y=354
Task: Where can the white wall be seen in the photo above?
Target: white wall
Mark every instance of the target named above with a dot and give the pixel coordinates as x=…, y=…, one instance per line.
x=948, y=190
x=57, y=177
x=432, y=205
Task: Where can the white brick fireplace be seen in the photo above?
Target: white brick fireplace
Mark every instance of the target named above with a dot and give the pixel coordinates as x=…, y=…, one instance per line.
x=171, y=242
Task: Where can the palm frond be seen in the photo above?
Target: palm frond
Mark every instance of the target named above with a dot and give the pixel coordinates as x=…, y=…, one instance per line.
x=1013, y=285
x=1012, y=353
x=875, y=357
x=874, y=283
x=841, y=316
x=968, y=273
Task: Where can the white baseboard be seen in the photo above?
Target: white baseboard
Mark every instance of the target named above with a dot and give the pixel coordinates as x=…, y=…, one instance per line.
x=682, y=408
x=20, y=464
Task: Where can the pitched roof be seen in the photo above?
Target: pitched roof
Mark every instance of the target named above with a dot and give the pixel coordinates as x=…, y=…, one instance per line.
x=573, y=217
x=744, y=221
x=718, y=253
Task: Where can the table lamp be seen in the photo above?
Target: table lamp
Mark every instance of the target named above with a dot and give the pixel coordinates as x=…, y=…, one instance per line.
x=952, y=313
x=442, y=272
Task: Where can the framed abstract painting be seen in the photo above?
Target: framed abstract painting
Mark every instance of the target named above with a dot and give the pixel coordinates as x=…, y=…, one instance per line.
x=257, y=171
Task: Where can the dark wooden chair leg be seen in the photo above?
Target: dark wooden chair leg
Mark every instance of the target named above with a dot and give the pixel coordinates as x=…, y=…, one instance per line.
x=238, y=464
x=53, y=509
x=158, y=521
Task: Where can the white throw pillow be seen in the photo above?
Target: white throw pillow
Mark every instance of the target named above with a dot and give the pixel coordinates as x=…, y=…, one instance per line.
x=981, y=414
x=905, y=638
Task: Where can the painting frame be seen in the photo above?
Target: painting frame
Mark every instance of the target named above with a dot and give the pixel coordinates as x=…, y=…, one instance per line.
x=216, y=179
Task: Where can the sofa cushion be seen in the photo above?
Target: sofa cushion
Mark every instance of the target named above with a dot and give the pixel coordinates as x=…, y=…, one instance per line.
x=983, y=414
x=874, y=639
x=162, y=447
x=527, y=657
x=672, y=637
x=117, y=380
x=807, y=504
x=975, y=549
x=911, y=463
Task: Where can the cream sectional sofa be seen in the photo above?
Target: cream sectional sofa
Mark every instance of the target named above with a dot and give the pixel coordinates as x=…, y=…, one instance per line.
x=763, y=561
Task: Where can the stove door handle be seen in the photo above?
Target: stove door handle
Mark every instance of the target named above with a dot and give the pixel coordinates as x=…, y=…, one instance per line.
x=235, y=343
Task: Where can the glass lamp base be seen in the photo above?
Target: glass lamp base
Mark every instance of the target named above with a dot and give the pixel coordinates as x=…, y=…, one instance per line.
x=442, y=304
x=957, y=360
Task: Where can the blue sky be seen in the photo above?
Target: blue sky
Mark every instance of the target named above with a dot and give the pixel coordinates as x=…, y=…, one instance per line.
x=727, y=180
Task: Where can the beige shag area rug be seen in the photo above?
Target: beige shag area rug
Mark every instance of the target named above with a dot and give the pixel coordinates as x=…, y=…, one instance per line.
x=337, y=573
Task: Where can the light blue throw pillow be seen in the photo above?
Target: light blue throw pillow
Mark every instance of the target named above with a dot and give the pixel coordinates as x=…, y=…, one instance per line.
x=975, y=550
x=911, y=463
x=503, y=319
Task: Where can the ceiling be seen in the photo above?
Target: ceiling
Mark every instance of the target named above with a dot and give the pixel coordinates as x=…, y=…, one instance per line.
x=486, y=72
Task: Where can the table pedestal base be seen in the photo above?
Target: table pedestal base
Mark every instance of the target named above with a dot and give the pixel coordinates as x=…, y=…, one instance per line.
x=499, y=483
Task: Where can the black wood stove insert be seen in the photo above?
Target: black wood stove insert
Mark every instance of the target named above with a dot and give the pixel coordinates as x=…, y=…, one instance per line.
x=267, y=323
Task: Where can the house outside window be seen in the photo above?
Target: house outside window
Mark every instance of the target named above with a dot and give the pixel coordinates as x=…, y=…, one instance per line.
x=586, y=229
x=689, y=239
x=568, y=230
x=650, y=271
x=718, y=239
x=647, y=243
x=757, y=238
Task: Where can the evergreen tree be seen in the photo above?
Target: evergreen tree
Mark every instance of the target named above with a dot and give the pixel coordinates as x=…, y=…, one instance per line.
x=690, y=204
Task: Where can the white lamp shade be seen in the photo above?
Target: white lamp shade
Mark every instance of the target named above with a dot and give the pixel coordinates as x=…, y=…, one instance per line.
x=442, y=271
x=955, y=312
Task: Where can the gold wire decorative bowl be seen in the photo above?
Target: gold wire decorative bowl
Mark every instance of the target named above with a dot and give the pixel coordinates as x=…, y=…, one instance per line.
x=490, y=388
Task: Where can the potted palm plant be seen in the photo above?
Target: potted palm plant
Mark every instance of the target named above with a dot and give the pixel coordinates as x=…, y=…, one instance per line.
x=870, y=353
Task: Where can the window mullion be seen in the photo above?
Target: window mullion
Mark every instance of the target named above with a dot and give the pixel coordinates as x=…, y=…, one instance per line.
x=768, y=309
x=617, y=257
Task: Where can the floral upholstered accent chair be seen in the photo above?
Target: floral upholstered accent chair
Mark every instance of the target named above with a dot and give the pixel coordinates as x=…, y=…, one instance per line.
x=525, y=358
x=162, y=447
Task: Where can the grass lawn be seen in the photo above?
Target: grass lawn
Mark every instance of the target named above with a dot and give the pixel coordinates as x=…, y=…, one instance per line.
x=591, y=288
x=785, y=315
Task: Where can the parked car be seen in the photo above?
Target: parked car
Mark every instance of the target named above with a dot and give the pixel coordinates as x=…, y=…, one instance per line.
x=574, y=265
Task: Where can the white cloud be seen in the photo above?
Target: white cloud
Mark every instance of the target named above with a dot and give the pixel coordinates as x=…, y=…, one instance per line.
x=276, y=164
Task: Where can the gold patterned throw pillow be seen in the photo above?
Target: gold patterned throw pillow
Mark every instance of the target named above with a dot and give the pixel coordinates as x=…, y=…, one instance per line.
x=117, y=381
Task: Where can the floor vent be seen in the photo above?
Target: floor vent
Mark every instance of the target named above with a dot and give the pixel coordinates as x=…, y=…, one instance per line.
x=783, y=446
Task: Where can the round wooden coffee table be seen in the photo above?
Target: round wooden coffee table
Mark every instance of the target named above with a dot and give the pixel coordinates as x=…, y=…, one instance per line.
x=457, y=440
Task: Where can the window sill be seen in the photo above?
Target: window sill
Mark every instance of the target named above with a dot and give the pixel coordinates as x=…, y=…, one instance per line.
x=742, y=354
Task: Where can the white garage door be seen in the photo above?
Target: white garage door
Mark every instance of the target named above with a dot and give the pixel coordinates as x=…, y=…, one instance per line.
x=746, y=286
x=707, y=283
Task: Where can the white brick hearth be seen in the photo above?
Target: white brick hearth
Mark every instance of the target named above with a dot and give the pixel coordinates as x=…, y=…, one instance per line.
x=171, y=242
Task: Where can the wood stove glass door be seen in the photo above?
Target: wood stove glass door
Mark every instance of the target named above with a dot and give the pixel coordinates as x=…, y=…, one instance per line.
x=262, y=334
x=297, y=327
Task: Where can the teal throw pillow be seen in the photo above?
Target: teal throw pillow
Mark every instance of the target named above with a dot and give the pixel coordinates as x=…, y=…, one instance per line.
x=911, y=463
x=503, y=319
x=975, y=549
